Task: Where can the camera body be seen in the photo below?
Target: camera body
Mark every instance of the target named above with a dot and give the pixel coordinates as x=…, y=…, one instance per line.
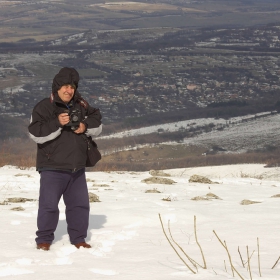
x=75, y=117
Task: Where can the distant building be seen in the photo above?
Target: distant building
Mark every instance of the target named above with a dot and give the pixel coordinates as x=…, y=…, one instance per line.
x=191, y=86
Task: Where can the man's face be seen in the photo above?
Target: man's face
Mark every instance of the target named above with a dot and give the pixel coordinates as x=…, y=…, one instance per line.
x=66, y=93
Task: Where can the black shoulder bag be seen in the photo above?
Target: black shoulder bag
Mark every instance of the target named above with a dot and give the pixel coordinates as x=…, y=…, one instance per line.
x=93, y=154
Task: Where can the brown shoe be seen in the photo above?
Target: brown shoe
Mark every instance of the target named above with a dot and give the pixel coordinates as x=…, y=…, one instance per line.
x=44, y=246
x=82, y=244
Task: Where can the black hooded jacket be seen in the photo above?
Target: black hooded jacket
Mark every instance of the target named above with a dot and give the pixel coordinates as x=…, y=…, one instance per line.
x=58, y=147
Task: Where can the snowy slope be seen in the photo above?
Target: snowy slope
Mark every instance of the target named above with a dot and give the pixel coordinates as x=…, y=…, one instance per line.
x=239, y=134
x=125, y=231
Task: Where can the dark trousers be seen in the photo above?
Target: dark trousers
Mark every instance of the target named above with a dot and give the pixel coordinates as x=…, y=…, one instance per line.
x=73, y=188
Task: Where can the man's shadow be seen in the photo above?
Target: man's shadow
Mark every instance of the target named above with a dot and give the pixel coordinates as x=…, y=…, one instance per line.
x=95, y=222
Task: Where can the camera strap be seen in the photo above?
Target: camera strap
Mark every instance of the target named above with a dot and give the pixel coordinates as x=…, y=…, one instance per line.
x=86, y=139
x=83, y=102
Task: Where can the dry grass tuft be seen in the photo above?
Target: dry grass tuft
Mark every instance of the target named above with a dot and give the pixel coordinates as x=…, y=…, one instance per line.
x=248, y=202
x=152, y=191
x=200, y=179
x=158, y=180
x=276, y=196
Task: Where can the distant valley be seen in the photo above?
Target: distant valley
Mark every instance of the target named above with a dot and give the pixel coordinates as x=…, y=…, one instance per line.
x=148, y=64
x=148, y=76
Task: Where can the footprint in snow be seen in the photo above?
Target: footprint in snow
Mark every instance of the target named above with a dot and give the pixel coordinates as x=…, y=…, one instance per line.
x=103, y=271
x=63, y=261
x=66, y=250
x=15, y=223
x=105, y=240
x=10, y=270
x=63, y=255
x=24, y=261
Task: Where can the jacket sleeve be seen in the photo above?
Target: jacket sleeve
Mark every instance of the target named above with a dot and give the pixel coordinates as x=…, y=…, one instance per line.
x=44, y=125
x=93, y=122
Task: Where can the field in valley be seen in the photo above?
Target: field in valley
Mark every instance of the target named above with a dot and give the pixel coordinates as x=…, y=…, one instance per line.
x=47, y=20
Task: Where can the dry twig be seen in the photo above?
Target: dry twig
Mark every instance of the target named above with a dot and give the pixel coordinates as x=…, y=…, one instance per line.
x=241, y=257
x=224, y=245
x=194, y=263
x=229, y=256
x=276, y=262
x=259, y=260
x=225, y=266
x=250, y=258
x=249, y=268
x=174, y=247
x=205, y=267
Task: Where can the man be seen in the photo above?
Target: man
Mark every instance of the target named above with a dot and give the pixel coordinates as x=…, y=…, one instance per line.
x=61, y=158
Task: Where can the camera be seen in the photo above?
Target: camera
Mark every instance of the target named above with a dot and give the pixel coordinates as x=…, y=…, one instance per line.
x=75, y=117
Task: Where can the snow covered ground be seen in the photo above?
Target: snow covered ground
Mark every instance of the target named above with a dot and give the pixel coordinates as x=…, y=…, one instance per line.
x=126, y=234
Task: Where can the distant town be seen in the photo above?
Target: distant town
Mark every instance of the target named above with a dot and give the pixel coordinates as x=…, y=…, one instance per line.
x=136, y=72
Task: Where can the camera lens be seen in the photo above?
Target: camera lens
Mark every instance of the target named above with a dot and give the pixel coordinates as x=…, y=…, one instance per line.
x=75, y=118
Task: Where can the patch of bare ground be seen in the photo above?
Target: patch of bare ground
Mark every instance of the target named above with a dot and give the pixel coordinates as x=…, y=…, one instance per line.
x=93, y=197
x=19, y=199
x=18, y=152
x=144, y=7
x=17, y=208
x=153, y=191
x=159, y=173
x=209, y=196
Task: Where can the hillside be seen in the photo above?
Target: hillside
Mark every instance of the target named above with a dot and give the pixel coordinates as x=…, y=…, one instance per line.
x=196, y=142
x=177, y=80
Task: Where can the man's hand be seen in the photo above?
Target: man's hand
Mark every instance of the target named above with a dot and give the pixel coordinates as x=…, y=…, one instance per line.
x=63, y=118
x=81, y=129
